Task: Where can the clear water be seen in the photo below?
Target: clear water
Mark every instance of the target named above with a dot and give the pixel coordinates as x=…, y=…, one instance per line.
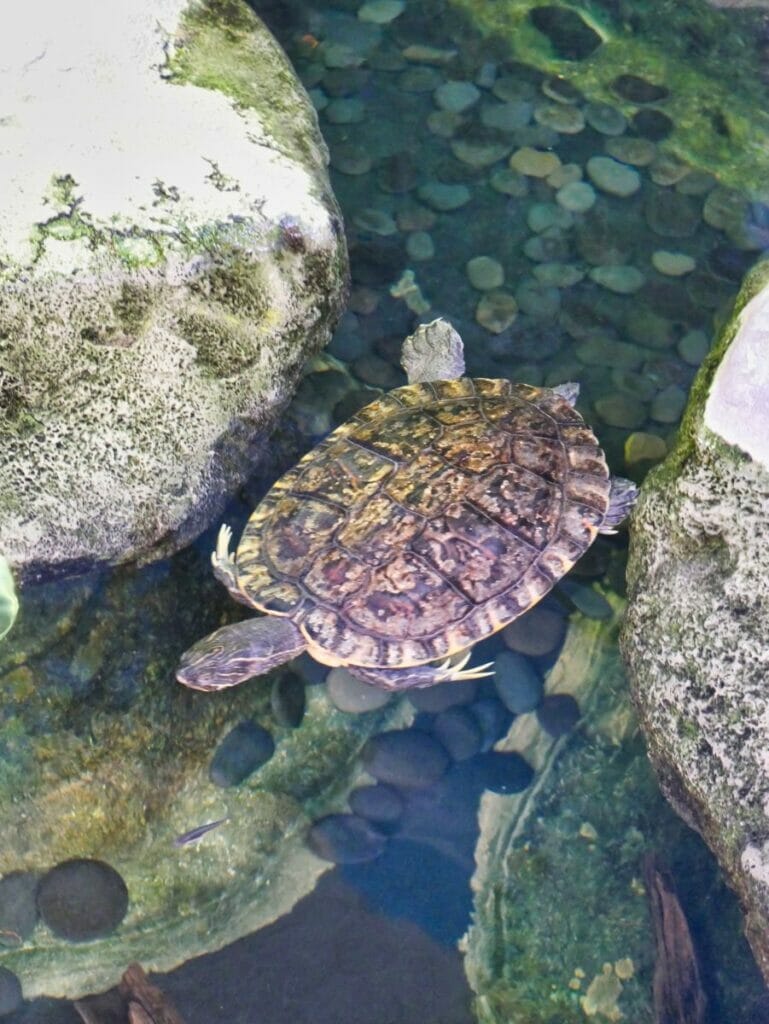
x=480, y=905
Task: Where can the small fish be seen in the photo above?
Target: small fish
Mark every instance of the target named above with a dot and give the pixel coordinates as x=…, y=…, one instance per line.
x=10, y=938
x=195, y=833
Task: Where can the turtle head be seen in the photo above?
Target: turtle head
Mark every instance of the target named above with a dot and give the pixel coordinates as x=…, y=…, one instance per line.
x=235, y=653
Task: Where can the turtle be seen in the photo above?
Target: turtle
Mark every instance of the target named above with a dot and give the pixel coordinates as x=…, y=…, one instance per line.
x=436, y=515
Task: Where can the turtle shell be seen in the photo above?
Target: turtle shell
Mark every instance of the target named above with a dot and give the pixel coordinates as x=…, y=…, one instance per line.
x=432, y=518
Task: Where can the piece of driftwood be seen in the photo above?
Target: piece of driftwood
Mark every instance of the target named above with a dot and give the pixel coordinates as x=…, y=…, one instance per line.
x=134, y=1001
x=679, y=997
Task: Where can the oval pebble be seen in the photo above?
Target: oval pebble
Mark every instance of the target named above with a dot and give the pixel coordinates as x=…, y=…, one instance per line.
x=435, y=699
x=517, y=682
x=18, y=903
x=622, y=280
x=537, y=632
x=496, y=311
x=638, y=152
x=345, y=110
x=82, y=899
x=444, y=197
x=558, y=275
x=504, y=772
x=459, y=733
x=535, y=163
x=10, y=992
x=381, y=12
x=558, y=714
x=245, y=748
x=586, y=600
x=420, y=246
x=493, y=719
x=405, y=757
x=485, y=273
x=380, y=804
x=544, y=216
x=506, y=117
x=345, y=839
x=605, y=118
x=576, y=197
x=353, y=695
x=673, y=264
x=564, y=175
x=288, y=700
x=456, y=97
x=612, y=176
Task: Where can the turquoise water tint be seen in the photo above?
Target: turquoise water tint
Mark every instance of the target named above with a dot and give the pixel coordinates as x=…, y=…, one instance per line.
x=580, y=190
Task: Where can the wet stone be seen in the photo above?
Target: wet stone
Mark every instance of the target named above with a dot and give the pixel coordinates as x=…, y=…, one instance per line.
x=537, y=632
x=564, y=175
x=244, y=749
x=506, y=117
x=509, y=182
x=493, y=719
x=600, y=350
x=548, y=247
x=375, y=222
x=18, y=906
x=724, y=208
x=345, y=839
x=644, y=326
x=536, y=163
x=576, y=197
x=345, y=110
x=397, y=173
x=347, y=342
x=10, y=992
x=485, y=273
x=381, y=12
x=487, y=75
x=420, y=246
x=635, y=89
x=638, y=152
x=696, y=183
x=353, y=695
x=544, y=216
x=539, y=301
x=444, y=124
x=586, y=599
x=457, y=730
x=673, y=264
x=561, y=90
x=479, y=154
x=348, y=158
x=693, y=347
x=558, y=714
x=517, y=682
x=434, y=699
x=612, y=176
x=652, y=124
x=598, y=240
x=415, y=217
x=606, y=119
x=561, y=118
x=378, y=372
x=570, y=36
x=666, y=170
x=318, y=98
x=669, y=404
x=621, y=279
x=420, y=79
x=82, y=899
x=641, y=447
x=405, y=757
x=496, y=311
x=380, y=804
x=456, y=97
x=511, y=87
x=504, y=772
x=443, y=197
x=558, y=275
x=364, y=300
x=671, y=214
x=621, y=411
x=288, y=700
x=536, y=136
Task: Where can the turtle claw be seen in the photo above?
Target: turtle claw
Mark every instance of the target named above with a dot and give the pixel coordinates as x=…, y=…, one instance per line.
x=448, y=673
x=221, y=555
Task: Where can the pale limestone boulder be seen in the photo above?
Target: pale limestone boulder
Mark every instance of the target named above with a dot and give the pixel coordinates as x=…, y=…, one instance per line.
x=170, y=255
x=696, y=638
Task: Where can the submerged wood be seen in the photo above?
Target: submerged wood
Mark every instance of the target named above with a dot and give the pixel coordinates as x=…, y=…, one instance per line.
x=679, y=997
x=134, y=1001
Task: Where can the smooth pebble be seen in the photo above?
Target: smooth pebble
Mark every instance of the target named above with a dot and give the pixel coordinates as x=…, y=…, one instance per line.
x=536, y=163
x=605, y=119
x=345, y=110
x=621, y=279
x=10, y=992
x=420, y=246
x=18, y=906
x=434, y=699
x=288, y=700
x=612, y=176
x=82, y=899
x=245, y=748
x=504, y=772
x=485, y=273
x=586, y=599
x=456, y=97
x=381, y=12
x=506, y=117
x=537, y=632
x=457, y=730
x=517, y=682
x=558, y=714
x=673, y=264
x=621, y=411
x=380, y=804
x=496, y=311
x=345, y=839
x=577, y=196
x=405, y=757
x=347, y=693
x=493, y=719
x=444, y=197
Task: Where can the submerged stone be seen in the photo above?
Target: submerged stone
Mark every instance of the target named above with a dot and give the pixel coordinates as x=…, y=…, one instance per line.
x=244, y=749
x=18, y=903
x=622, y=279
x=352, y=695
x=612, y=176
x=10, y=992
x=288, y=700
x=485, y=273
x=345, y=839
x=496, y=311
x=673, y=264
x=457, y=730
x=569, y=34
x=82, y=899
x=539, y=631
x=605, y=119
x=517, y=682
x=535, y=163
x=444, y=695
x=504, y=772
x=635, y=89
x=405, y=757
x=558, y=714
x=380, y=804
x=671, y=214
x=652, y=124
x=493, y=719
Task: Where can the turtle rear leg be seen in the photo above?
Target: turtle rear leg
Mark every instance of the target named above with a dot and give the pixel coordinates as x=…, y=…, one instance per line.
x=420, y=675
x=622, y=497
x=224, y=566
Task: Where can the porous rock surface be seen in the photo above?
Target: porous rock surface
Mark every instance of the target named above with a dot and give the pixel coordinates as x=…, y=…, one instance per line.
x=696, y=638
x=170, y=254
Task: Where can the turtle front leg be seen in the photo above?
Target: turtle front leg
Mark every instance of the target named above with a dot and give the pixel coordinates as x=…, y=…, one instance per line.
x=622, y=497
x=224, y=566
x=420, y=675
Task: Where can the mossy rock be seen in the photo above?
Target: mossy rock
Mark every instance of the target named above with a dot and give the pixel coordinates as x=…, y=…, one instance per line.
x=695, y=639
x=167, y=265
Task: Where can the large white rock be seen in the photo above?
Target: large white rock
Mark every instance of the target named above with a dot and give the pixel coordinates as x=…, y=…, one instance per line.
x=696, y=636
x=170, y=254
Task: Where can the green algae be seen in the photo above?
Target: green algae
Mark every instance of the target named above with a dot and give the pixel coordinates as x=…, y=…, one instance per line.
x=717, y=98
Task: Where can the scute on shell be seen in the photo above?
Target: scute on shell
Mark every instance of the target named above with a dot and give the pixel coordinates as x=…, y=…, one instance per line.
x=436, y=515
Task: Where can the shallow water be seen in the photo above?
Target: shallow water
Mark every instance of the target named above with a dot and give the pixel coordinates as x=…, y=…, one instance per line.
x=620, y=284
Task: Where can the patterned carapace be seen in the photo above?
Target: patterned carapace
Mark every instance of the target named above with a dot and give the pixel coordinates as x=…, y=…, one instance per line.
x=436, y=515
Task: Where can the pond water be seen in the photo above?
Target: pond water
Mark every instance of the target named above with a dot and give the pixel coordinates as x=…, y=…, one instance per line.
x=579, y=191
